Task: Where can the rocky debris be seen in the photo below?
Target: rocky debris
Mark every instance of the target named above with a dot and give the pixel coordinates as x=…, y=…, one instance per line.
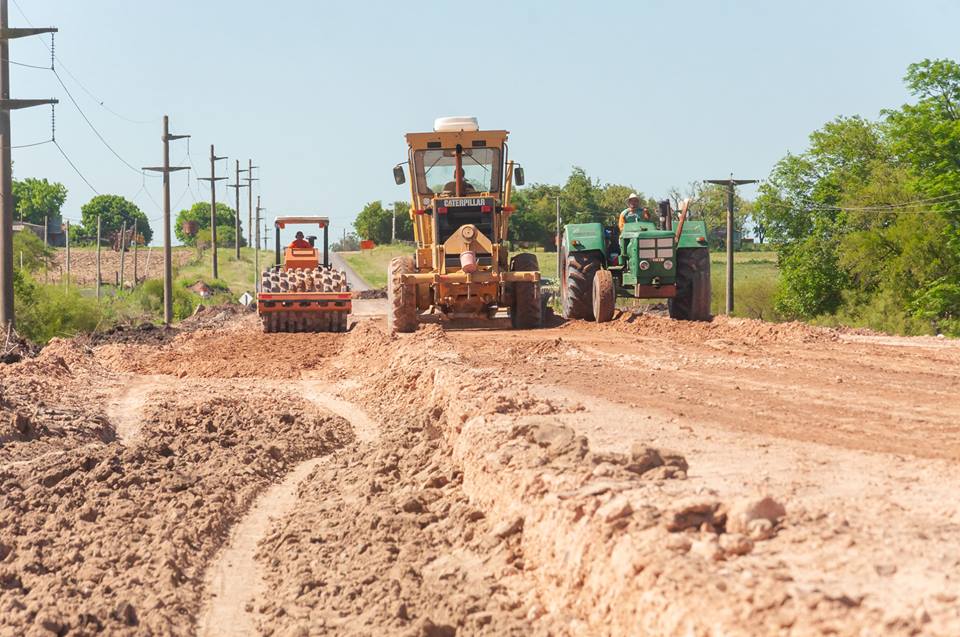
x=743, y=513
x=401, y=559
x=111, y=538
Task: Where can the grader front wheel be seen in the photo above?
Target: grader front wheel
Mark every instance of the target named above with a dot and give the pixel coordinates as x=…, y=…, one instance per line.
x=527, y=309
x=402, y=316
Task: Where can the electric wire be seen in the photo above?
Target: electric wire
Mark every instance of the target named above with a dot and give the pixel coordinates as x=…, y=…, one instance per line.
x=74, y=166
x=92, y=127
x=96, y=99
x=29, y=66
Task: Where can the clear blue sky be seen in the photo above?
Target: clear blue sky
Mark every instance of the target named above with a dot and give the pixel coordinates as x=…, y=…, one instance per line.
x=656, y=94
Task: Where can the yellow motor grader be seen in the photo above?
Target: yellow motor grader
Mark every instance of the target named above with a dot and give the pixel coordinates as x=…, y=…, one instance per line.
x=460, y=182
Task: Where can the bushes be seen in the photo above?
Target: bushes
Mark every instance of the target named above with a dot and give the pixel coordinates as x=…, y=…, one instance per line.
x=46, y=311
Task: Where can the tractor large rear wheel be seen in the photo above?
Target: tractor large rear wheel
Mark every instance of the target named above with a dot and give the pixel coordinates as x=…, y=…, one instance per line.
x=604, y=296
x=402, y=316
x=527, y=309
x=692, y=302
x=576, y=292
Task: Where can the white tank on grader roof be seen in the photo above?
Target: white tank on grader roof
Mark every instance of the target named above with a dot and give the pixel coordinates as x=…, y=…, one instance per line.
x=455, y=124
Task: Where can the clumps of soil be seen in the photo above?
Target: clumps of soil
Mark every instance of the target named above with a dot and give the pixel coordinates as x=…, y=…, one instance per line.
x=46, y=403
x=551, y=349
x=721, y=327
x=384, y=541
x=598, y=531
x=116, y=539
x=139, y=334
x=379, y=293
x=240, y=350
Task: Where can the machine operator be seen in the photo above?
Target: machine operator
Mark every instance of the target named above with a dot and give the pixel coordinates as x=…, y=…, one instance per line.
x=300, y=242
x=633, y=212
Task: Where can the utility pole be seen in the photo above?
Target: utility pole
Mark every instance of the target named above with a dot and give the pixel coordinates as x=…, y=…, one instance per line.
x=166, y=169
x=123, y=250
x=6, y=169
x=731, y=184
x=67, y=280
x=237, y=186
x=98, y=257
x=213, y=179
x=136, y=242
x=256, y=251
x=393, y=227
x=250, y=179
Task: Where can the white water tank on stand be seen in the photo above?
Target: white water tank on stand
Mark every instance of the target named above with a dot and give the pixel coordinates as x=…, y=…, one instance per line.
x=455, y=124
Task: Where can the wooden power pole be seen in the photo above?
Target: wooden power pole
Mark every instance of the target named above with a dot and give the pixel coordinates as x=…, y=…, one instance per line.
x=213, y=179
x=250, y=179
x=256, y=251
x=98, y=257
x=731, y=184
x=6, y=169
x=166, y=169
x=237, y=186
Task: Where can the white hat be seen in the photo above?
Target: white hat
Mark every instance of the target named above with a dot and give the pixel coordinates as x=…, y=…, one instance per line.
x=633, y=195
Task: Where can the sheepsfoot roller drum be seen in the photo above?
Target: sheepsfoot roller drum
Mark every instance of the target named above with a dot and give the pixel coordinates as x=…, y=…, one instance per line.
x=648, y=259
x=460, y=183
x=301, y=293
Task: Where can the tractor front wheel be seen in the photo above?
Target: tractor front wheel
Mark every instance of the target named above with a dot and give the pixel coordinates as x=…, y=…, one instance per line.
x=527, y=309
x=577, y=285
x=604, y=296
x=402, y=315
x=692, y=302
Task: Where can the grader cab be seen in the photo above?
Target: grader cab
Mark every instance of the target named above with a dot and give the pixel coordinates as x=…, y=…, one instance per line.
x=460, y=183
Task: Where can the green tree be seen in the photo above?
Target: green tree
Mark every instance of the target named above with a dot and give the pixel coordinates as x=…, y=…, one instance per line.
x=35, y=199
x=200, y=214
x=404, y=223
x=113, y=211
x=373, y=223
x=225, y=237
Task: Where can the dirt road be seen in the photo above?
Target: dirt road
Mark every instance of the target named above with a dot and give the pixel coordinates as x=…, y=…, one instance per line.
x=640, y=477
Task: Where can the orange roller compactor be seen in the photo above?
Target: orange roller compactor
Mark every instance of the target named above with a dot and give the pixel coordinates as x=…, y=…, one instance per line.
x=301, y=293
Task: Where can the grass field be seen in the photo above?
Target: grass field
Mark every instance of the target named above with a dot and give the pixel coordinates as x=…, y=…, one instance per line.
x=234, y=275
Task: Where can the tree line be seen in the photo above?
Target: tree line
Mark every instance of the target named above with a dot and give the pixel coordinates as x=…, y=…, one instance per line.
x=582, y=200
x=867, y=219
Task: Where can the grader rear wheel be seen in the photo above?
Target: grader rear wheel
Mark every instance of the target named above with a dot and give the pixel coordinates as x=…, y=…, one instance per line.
x=527, y=309
x=402, y=316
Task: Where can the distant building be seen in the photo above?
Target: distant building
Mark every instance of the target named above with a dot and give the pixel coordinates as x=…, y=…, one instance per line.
x=56, y=232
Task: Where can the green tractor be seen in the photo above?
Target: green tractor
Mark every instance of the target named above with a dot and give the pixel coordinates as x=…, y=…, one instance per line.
x=646, y=260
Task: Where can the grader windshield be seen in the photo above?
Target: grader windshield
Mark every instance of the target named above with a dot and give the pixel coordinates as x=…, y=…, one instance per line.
x=436, y=170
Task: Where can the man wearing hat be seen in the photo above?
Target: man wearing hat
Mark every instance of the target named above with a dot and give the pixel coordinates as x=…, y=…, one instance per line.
x=632, y=212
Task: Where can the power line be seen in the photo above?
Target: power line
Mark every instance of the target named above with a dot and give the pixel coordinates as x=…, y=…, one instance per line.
x=29, y=66
x=92, y=127
x=74, y=166
x=54, y=56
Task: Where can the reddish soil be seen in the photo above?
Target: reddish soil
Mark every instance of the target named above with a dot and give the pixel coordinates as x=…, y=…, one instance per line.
x=639, y=477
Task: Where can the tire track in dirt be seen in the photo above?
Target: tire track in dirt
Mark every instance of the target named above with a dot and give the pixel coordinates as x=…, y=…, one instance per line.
x=234, y=583
x=124, y=410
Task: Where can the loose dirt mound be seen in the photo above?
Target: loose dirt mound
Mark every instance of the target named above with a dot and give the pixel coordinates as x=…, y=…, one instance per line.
x=721, y=327
x=116, y=538
x=425, y=561
x=45, y=402
x=586, y=521
x=239, y=350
